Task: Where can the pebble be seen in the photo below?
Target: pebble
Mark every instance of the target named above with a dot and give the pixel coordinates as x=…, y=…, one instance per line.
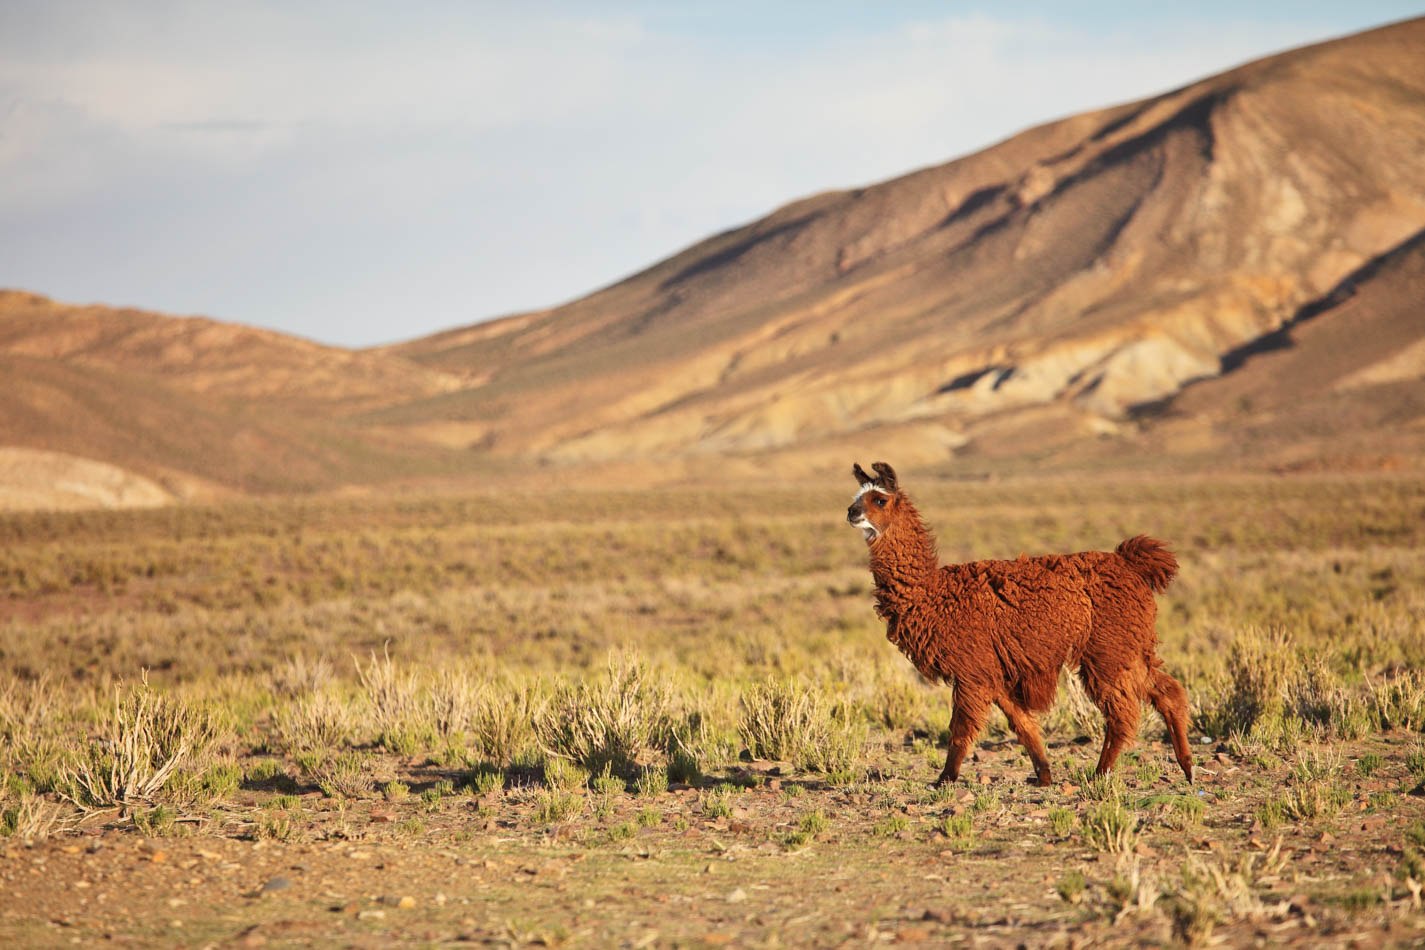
x=371, y=915
x=276, y=884
x=737, y=896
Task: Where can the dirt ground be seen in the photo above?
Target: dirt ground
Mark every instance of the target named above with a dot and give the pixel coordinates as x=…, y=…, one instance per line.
x=663, y=870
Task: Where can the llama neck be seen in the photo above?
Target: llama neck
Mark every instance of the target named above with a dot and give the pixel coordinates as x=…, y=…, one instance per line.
x=903, y=561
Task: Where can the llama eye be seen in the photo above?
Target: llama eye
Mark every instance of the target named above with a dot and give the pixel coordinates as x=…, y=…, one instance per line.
x=880, y=503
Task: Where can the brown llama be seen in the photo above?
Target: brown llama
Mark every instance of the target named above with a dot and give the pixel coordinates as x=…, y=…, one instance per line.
x=1000, y=631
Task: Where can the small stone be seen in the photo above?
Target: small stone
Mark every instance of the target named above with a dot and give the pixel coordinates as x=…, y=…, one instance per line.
x=737, y=896
x=912, y=934
x=371, y=915
x=358, y=855
x=158, y=857
x=276, y=884
x=383, y=817
x=406, y=902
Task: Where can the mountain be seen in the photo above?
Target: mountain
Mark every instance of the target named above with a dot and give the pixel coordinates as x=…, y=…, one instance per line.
x=187, y=408
x=1230, y=273
x=1050, y=288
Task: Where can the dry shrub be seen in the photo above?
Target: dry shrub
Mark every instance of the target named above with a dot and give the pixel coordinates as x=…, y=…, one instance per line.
x=614, y=722
x=1110, y=826
x=23, y=814
x=316, y=722
x=1399, y=702
x=801, y=723
x=300, y=675
x=1226, y=890
x=145, y=738
x=396, y=705
x=502, y=722
x=452, y=700
x=1271, y=692
x=26, y=707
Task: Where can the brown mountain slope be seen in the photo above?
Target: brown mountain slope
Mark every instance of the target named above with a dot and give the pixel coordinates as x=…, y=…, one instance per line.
x=1045, y=286
x=199, y=355
x=200, y=407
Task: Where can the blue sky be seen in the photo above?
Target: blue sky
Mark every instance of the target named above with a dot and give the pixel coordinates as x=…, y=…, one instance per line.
x=361, y=172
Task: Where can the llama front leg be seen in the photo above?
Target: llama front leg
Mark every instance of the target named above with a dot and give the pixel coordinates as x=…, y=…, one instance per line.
x=1026, y=729
x=966, y=721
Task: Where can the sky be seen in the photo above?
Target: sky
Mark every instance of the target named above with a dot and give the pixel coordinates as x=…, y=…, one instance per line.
x=360, y=172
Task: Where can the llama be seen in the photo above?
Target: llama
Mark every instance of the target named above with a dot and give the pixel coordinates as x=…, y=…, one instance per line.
x=1000, y=631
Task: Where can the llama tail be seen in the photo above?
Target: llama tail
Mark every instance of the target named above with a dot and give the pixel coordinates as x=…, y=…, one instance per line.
x=1151, y=559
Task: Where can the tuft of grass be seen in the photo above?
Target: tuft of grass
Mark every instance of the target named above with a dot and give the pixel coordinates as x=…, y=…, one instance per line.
x=649, y=816
x=605, y=784
x=1271, y=813
x=562, y=774
x=801, y=723
x=1399, y=703
x=404, y=724
x=718, y=802
x=485, y=780
x=890, y=826
x=1071, y=886
x=502, y=722
x=556, y=806
x=1185, y=812
x=347, y=775
x=651, y=782
x=960, y=830
x=1317, y=790
x=321, y=722
x=1061, y=820
x=395, y=791
x=157, y=822
x=1368, y=764
x=1110, y=826
x=608, y=723
x=25, y=815
x=1108, y=787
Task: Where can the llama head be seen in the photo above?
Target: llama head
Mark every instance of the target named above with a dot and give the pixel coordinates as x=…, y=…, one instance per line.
x=876, y=504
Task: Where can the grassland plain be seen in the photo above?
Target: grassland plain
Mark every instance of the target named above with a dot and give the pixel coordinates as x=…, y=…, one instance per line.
x=671, y=719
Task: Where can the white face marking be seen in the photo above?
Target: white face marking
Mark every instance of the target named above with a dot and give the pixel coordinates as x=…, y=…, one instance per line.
x=868, y=530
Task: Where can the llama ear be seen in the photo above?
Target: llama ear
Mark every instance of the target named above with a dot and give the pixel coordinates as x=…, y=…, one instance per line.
x=887, y=476
x=861, y=477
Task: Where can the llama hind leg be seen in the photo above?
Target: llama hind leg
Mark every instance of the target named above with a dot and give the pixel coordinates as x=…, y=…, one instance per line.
x=1026, y=729
x=966, y=721
x=1120, y=712
x=1167, y=696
